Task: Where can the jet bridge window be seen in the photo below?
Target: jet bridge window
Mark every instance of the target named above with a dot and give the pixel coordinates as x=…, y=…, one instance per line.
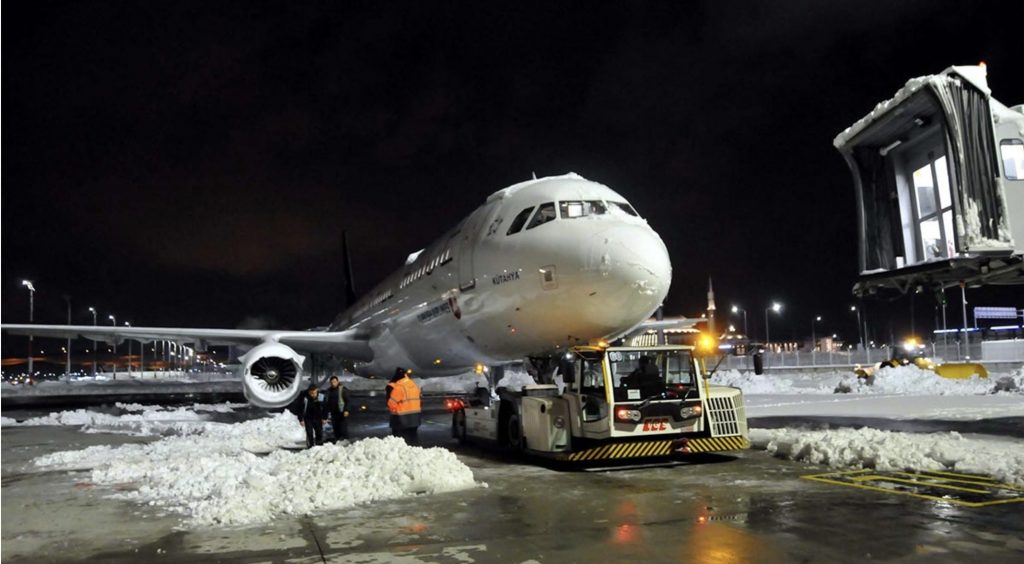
x=572, y=210
x=519, y=221
x=545, y=213
x=1012, y=152
x=934, y=209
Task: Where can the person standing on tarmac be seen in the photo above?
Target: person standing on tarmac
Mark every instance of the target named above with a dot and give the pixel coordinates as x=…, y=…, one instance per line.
x=337, y=403
x=312, y=414
x=404, y=405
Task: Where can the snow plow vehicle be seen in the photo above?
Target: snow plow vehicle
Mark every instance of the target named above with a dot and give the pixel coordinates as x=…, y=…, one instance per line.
x=618, y=403
x=913, y=352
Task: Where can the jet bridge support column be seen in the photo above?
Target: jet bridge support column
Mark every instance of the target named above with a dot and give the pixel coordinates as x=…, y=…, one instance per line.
x=967, y=336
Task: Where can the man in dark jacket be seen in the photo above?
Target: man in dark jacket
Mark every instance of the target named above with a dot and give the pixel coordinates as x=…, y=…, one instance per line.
x=645, y=378
x=337, y=407
x=311, y=414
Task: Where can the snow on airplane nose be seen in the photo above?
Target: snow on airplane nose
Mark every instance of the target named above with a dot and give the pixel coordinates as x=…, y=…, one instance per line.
x=629, y=270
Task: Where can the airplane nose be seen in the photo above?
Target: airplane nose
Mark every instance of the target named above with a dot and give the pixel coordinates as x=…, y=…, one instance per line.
x=630, y=267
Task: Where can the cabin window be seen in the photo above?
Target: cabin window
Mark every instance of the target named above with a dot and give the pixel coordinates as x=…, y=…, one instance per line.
x=545, y=213
x=519, y=221
x=571, y=210
x=934, y=204
x=623, y=206
x=1012, y=151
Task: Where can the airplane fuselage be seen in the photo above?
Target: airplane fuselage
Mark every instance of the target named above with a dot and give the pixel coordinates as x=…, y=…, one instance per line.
x=540, y=266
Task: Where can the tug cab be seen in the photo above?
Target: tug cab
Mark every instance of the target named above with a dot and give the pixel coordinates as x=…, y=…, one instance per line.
x=616, y=403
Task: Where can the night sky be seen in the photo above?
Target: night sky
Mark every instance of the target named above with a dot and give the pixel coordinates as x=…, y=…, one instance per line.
x=194, y=163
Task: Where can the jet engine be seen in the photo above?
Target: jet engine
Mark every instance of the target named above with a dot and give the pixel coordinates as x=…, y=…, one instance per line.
x=271, y=374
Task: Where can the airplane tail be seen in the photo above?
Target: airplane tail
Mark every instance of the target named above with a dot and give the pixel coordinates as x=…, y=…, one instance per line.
x=350, y=287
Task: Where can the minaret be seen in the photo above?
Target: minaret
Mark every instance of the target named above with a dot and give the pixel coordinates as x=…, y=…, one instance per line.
x=711, y=309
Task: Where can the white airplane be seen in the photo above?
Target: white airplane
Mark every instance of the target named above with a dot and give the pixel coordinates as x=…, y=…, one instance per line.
x=542, y=265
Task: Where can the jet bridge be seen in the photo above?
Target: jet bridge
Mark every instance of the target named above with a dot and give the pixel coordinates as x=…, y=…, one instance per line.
x=938, y=172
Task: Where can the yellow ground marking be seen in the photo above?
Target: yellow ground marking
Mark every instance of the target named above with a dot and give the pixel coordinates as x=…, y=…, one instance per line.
x=857, y=479
x=879, y=478
x=959, y=475
x=975, y=480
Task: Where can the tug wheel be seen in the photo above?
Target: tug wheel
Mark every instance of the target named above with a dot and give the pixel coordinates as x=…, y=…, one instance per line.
x=514, y=432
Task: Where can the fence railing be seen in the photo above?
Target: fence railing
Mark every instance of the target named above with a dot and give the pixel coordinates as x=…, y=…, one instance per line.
x=950, y=352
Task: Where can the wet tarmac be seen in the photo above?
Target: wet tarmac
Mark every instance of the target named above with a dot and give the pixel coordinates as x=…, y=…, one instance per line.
x=744, y=508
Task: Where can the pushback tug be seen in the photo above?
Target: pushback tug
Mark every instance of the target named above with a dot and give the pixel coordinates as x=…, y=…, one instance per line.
x=618, y=403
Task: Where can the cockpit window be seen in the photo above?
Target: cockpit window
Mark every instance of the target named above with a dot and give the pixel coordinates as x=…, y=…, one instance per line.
x=519, y=221
x=545, y=213
x=623, y=206
x=571, y=210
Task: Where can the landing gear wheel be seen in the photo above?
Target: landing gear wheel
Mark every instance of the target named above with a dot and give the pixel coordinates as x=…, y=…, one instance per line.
x=514, y=433
x=459, y=426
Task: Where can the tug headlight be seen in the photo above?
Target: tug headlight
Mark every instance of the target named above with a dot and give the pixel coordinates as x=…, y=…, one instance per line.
x=690, y=411
x=453, y=404
x=628, y=415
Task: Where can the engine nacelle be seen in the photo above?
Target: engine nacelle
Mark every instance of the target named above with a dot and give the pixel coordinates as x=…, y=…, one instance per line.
x=271, y=374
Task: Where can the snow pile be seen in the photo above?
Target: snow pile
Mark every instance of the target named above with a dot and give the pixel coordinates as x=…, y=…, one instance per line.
x=900, y=380
x=214, y=478
x=153, y=420
x=892, y=406
x=463, y=383
x=515, y=380
x=777, y=383
x=226, y=407
x=911, y=380
x=1002, y=459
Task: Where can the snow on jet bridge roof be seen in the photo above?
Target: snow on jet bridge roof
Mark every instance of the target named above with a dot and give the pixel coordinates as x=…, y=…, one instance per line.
x=974, y=74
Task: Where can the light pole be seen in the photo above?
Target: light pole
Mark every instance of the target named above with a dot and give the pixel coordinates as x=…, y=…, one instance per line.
x=126, y=324
x=142, y=359
x=814, y=339
x=860, y=335
x=776, y=307
x=92, y=310
x=113, y=322
x=31, y=318
x=736, y=309
x=67, y=368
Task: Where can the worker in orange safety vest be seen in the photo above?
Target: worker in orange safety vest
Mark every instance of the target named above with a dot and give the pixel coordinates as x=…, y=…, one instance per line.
x=404, y=405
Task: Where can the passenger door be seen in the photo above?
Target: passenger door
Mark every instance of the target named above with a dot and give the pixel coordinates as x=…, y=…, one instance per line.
x=468, y=238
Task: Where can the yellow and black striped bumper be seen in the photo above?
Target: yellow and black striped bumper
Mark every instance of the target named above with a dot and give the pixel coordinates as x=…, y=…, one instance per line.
x=645, y=449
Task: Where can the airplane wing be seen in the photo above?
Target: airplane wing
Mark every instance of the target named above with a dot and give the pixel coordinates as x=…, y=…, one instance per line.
x=667, y=324
x=349, y=344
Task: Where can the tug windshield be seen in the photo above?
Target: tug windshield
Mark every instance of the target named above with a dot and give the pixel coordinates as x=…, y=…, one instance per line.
x=640, y=375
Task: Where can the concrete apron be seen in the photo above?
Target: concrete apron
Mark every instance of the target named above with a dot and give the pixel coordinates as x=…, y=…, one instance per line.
x=743, y=508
